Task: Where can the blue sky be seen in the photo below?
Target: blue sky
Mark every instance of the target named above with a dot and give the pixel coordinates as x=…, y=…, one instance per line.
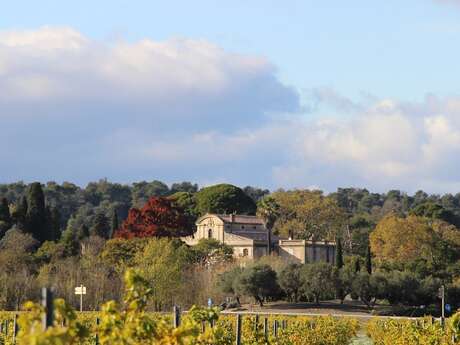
x=270, y=93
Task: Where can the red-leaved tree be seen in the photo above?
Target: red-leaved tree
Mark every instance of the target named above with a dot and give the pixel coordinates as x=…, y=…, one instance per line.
x=159, y=217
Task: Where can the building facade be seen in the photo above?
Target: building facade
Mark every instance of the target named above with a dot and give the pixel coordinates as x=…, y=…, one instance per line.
x=249, y=238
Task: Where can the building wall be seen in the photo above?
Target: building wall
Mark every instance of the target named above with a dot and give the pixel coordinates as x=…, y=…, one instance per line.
x=293, y=250
x=303, y=251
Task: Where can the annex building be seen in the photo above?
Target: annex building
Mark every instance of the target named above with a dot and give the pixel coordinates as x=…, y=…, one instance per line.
x=249, y=238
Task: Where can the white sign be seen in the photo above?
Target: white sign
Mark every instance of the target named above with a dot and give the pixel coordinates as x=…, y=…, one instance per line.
x=80, y=290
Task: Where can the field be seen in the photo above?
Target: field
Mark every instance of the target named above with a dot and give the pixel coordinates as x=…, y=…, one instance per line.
x=281, y=329
x=273, y=329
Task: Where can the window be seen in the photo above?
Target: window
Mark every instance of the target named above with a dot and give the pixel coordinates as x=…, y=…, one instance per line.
x=210, y=233
x=242, y=226
x=245, y=252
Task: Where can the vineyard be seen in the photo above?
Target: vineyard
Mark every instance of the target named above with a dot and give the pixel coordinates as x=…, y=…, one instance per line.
x=201, y=326
x=414, y=332
x=132, y=324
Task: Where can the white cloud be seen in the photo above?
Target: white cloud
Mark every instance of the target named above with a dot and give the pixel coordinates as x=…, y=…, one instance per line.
x=77, y=109
x=389, y=145
x=56, y=65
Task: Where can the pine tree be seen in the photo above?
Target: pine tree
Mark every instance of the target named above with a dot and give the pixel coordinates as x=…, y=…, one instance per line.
x=20, y=213
x=54, y=223
x=115, y=224
x=37, y=220
x=5, y=215
x=339, y=255
x=369, y=260
x=101, y=226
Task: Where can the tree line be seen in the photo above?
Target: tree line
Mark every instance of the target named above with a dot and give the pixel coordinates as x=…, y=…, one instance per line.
x=63, y=234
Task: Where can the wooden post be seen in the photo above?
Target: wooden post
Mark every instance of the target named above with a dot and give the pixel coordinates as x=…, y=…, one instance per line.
x=97, y=331
x=275, y=328
x=176, y=310
x=266, y=329
x=284, y=324
x=256, y=326
x=47, y=303
x=238, y=329
x=15, y=328
x=6, y=326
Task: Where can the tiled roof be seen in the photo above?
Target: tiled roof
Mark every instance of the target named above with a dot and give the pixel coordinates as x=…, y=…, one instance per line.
x=240, y=219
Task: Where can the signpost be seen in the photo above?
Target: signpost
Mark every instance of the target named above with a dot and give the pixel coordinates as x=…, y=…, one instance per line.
x=80, y=290
x=441, y=294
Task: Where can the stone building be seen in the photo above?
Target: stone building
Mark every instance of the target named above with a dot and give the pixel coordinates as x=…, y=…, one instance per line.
x=249, y=238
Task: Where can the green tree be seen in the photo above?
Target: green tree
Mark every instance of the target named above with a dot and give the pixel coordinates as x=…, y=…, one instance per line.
x=227, y=282
x=259, y=282
x=5, y=217
x=339, y=254
x=268, y=211
x=82, y=233
x=366, y=288
x=70, y=243
x=290, y=280
x=224, y=198
x=115, y=225
x=19, y=214
x=37, y=220
x=101, y=226
x=210, y=252
x=54, y=223
x=308, y=214
x=121, y=253
x=369, y=260
x=163, y=264
x=318, y=281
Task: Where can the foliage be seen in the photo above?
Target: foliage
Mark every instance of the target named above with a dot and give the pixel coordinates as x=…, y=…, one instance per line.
x=257, y=281
x=210, y=252
x=308, y=214
x=409, y=332
x=318, y=281
x=163, y=262
x=290, y=280
x=159, y=217
x=224, y=199
x=403, y=239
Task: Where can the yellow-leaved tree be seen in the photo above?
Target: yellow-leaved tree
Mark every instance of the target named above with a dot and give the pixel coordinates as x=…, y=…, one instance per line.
x=397, y=239
x=308, y=214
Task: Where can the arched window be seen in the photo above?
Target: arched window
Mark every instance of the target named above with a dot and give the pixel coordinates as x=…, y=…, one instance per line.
x=210, y=233
x=245, y=252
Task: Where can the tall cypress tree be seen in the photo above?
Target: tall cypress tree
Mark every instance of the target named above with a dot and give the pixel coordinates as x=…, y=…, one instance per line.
x=5, y=215
x=369, y=260
x=54, y=223
x=37, y=220
x=339, y=255
x=115, y=224
x=101, y=226
x=20, y=214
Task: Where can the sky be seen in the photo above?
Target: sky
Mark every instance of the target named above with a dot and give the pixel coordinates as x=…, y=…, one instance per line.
x=275, y=94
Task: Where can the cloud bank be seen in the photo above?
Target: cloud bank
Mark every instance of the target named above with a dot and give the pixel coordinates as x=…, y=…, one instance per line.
x=77, y=109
